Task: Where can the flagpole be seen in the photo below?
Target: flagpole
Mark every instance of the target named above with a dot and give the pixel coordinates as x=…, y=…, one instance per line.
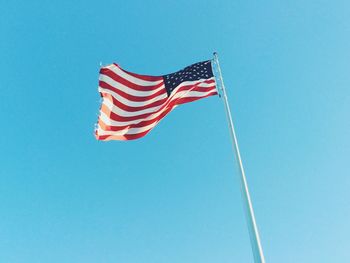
x=247, y=203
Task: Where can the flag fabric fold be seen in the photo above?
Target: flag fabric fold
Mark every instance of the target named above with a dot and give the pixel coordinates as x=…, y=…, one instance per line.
x=132, y=104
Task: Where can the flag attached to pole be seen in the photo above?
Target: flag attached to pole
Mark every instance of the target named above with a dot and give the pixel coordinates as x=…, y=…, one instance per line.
x=132, y=104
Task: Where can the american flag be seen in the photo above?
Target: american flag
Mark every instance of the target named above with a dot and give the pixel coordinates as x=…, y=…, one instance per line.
x=132, y=104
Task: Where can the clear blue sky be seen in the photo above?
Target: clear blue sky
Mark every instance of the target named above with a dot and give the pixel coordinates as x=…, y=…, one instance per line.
x=174, y=195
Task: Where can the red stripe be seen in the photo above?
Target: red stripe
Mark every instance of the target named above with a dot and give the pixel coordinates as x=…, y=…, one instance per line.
x=126, y=137
x=153, y=104
x=115, y=117
x=139, y=76
x=190, y=99
x=131, y=108
x=141, y=134
x=119, y=118
x=139, y=124
x=125, y=82
x=168, y=107
x=129, y=96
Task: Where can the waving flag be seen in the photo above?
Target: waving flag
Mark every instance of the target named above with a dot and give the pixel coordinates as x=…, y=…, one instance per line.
x=132, y=104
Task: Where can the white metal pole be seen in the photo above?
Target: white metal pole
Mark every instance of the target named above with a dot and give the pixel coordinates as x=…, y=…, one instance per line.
x=247, y=203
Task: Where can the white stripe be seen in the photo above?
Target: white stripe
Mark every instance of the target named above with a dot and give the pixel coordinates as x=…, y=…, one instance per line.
x=130, y=102
x=198, y=83
x=123, y=113
x=111, y=122
x=131, y=78
x=126, y=89
x=125, y=131
x=108, y=121
x=130, y=131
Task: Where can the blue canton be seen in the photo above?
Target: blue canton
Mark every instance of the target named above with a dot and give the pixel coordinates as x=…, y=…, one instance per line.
x=200, y=70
